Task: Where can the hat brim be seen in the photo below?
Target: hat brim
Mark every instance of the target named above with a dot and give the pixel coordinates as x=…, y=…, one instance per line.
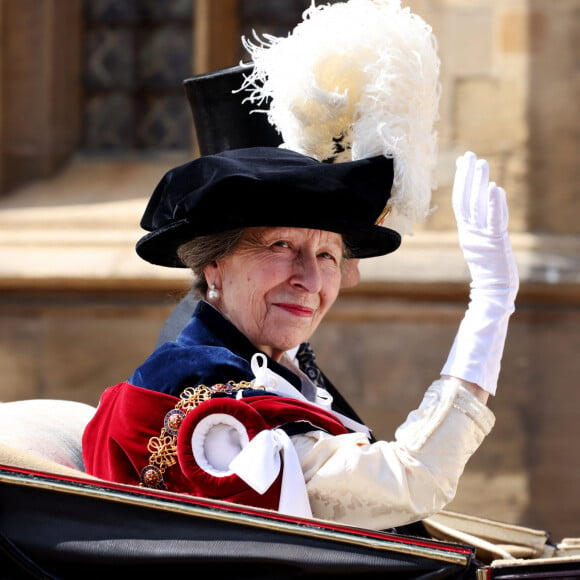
x=160, y=246
x=269, y=187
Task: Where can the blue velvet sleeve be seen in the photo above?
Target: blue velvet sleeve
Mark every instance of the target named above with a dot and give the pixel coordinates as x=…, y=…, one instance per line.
x=173, y=367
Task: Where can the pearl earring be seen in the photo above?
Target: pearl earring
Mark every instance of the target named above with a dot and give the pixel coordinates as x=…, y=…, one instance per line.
x=213, y=293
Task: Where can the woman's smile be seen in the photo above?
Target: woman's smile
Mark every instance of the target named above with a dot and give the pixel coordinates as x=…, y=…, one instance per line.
x=295, y=309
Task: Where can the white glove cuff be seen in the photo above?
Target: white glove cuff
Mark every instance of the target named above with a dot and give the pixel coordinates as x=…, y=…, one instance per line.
x=478, y=346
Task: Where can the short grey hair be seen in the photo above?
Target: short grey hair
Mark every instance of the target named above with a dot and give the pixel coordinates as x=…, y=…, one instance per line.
x=203, y=250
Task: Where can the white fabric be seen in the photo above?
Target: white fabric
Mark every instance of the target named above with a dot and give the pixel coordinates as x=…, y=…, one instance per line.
x=216, y=440
x=271, y=381
x=47, y=428
x=324, y=399
x=386, y=484
x=259, y=464
x=482, y=219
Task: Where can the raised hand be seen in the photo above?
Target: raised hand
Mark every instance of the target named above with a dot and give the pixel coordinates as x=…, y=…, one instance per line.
x=481, y=213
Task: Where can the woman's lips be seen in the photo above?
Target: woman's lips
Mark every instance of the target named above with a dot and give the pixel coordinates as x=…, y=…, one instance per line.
x=296, y=309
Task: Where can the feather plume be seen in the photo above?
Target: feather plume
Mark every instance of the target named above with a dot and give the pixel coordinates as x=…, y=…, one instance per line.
x=353, y=80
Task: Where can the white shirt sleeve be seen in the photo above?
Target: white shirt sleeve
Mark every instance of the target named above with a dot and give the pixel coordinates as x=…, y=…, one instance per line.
x=386, y=484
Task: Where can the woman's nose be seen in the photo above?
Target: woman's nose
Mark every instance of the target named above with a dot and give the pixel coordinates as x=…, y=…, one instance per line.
x=307, y=273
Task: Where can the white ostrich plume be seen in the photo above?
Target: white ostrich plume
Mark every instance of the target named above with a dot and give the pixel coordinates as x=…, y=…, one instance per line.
x=353, y=80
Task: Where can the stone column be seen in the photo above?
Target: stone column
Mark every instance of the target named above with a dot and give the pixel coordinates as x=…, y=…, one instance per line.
x=217, y=35
x=40, y=64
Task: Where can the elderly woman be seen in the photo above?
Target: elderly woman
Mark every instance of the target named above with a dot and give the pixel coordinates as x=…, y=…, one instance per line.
x=223, y=411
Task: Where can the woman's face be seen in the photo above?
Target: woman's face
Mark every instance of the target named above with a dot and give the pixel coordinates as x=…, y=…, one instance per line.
x=278, y=284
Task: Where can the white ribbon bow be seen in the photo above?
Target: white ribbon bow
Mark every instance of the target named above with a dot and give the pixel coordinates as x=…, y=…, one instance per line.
x=259, y=464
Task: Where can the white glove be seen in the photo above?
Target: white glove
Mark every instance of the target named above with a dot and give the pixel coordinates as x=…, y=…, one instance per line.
x=482, y=217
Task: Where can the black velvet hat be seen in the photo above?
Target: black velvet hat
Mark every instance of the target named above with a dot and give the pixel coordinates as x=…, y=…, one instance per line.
x=269, y=186
x=243, y=179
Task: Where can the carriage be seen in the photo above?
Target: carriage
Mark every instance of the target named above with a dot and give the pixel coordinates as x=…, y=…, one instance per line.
x=58, y=523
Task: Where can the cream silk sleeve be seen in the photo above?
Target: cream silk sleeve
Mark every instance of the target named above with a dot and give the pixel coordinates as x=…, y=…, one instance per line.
x=391, y=483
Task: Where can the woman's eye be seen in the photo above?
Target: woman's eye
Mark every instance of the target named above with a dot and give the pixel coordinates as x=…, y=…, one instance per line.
x=281, y=244
x=327, y=256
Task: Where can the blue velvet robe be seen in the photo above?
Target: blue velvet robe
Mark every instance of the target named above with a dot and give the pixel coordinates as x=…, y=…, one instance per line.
x=210, y=350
